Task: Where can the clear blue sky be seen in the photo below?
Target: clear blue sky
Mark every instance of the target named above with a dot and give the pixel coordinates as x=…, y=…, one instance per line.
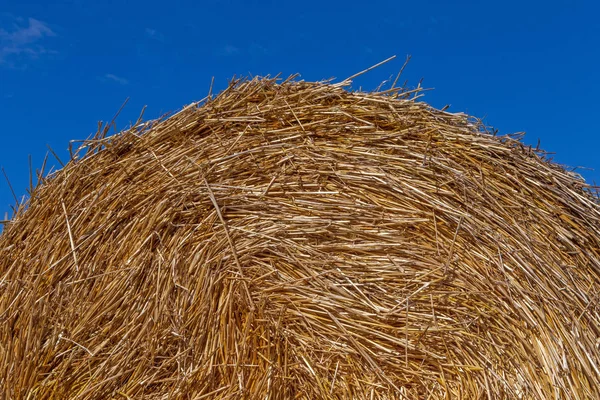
x=66, y=64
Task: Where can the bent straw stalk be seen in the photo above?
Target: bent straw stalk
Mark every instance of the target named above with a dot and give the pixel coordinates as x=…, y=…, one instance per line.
x=296, y=240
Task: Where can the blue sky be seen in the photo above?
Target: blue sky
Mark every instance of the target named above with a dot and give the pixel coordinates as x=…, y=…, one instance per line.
x=66, y=64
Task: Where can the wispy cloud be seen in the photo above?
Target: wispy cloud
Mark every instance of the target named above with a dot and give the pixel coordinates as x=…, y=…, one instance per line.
x=256, y=49
x=115, y=78
x=230, y=50
x=253, y=49
x=154, y=34
x=23, y=40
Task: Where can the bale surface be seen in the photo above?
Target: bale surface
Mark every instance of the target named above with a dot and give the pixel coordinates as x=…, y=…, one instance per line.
x=295, y=240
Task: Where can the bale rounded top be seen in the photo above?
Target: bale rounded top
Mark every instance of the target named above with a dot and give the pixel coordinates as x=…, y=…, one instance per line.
x=296, y=240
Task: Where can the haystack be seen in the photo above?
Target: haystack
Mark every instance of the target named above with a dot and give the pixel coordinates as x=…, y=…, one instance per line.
x=298, y=240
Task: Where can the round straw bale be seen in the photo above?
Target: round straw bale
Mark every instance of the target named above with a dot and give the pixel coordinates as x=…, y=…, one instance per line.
x=297, y=240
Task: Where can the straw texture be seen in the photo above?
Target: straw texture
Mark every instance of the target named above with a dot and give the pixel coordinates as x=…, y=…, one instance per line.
x=296, y=240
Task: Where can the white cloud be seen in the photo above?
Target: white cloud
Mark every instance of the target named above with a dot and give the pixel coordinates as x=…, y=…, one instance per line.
x=115, y=78
x=24, y=40
x=253, y=49
x=257, y=49
x=154, y=34
x=230, y=50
